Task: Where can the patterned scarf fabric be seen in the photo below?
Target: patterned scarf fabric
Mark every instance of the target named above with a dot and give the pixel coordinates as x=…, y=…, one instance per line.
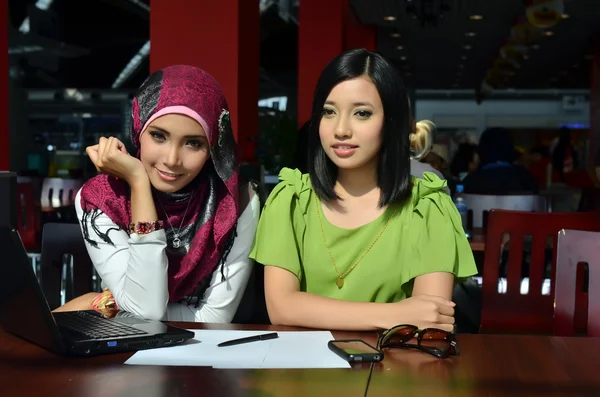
x=211, y=200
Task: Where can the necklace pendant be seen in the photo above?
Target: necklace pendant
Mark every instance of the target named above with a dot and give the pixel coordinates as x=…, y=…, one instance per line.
x=339, y=282
x=176, y=242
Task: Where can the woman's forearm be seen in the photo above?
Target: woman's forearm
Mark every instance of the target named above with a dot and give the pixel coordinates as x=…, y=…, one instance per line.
x=312, y=311
x=142, y=203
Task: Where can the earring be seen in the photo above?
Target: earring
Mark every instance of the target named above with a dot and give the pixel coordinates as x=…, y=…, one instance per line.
x=224, y=121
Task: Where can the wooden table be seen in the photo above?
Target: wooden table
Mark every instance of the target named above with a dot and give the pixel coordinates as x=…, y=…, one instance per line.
x=490, y=365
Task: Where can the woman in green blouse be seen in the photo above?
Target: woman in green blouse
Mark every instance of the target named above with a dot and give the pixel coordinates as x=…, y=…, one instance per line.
x=358, y=243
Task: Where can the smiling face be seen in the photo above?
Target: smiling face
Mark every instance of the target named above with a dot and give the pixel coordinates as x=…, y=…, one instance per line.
x=173, y=149
x=351, y=125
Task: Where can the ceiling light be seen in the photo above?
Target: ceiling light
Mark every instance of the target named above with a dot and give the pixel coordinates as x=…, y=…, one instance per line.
x=470, y=34
x=460, y=66
x=399, y=48
x=476, y=17
x=525, y=56
x=549, y=33
x=535, y=47
x=464, y=57
x=389, y=18
x=467, y=47
x=403, y=58
x=564, y=16
x=395, y=35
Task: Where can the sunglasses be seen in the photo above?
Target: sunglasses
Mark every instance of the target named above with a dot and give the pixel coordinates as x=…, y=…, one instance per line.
x=436, y=342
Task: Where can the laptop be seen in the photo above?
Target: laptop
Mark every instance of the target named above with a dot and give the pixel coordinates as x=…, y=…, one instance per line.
x=25, y=313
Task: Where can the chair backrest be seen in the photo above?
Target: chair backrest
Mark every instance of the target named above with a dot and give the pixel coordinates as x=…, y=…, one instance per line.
x=590, y=200
x=511, y=311
x=480, y=205
x=574, y=247
x=58, y=240
x=28, y=215
x=59, y=192
x=8, y=198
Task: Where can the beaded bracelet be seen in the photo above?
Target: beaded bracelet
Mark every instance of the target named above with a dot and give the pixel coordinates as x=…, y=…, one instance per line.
x=145, y=227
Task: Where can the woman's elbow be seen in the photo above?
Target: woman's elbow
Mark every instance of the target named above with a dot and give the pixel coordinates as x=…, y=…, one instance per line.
x=153, y=313
x=155, y=310
x=279, y=313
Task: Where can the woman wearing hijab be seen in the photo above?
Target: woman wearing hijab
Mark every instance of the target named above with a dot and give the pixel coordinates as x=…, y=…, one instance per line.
x=169, y=230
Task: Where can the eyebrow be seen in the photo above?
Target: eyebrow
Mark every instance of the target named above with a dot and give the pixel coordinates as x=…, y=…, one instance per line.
x=162, y=130
x=355, y=104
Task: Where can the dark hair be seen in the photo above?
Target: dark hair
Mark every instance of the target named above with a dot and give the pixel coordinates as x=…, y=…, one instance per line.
x=302, y=148
x=393, y=169
x=463, y=157
x=495, y=144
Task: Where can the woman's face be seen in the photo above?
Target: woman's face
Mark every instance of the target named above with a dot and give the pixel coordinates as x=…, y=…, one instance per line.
x=352, y=123
x=474, y=163
x=173, y=149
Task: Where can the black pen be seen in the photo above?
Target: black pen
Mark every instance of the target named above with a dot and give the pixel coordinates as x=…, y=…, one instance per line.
x=249, y=339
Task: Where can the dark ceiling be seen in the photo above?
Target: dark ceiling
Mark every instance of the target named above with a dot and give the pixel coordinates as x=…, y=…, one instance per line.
x=113, y=31
x=435, y=57
x=115, y=34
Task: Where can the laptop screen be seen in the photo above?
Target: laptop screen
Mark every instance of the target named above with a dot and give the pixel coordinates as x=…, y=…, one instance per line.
x=23, y=308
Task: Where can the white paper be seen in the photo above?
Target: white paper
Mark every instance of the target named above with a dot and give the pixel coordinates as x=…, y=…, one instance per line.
x=298, y=349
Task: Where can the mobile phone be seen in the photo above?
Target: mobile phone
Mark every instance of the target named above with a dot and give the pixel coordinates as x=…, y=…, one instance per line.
x=355, y=351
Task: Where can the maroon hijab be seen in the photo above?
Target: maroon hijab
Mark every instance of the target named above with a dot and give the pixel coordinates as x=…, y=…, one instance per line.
x=207, y=209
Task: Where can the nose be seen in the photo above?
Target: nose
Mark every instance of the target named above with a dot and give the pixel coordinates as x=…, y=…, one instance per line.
x=172, y=158
x=342, y=129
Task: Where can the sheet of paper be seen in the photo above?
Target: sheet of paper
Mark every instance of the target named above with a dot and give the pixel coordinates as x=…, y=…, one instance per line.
x=299, y=349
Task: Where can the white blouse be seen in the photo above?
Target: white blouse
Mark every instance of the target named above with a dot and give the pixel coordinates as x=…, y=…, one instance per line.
x=134, y=269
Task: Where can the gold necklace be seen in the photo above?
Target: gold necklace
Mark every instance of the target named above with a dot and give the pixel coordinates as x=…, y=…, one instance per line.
x=340, y=280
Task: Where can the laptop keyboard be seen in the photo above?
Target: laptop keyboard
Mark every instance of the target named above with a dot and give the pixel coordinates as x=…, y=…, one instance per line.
x=93, y=326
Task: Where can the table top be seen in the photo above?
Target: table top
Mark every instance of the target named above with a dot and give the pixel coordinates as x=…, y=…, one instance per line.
x=489, y=365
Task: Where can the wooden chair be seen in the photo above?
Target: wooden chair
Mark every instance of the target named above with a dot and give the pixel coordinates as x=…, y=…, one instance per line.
x=512, y=312
x=575, y=247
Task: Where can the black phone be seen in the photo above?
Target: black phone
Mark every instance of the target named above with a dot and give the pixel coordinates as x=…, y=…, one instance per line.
x=355, y=351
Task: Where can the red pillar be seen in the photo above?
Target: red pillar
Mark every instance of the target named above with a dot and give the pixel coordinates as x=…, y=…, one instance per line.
x=358, y=35
x=594, y=157
x=323, y=33
x=320, y=39
x=221, y=37
x=4, y=114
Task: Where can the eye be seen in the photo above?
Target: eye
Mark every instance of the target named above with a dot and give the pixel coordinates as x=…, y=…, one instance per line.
x=363, y=114
x=327, y=112
x=157, y=135
x=196, y=143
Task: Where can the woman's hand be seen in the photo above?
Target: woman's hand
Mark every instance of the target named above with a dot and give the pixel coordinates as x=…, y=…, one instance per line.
x=110, y=157
x=423, y=311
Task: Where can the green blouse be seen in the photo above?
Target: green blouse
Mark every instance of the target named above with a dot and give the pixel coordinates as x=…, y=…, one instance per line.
x=424, y=236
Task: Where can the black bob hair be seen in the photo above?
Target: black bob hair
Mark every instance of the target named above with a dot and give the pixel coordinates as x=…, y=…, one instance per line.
x=393, y=169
